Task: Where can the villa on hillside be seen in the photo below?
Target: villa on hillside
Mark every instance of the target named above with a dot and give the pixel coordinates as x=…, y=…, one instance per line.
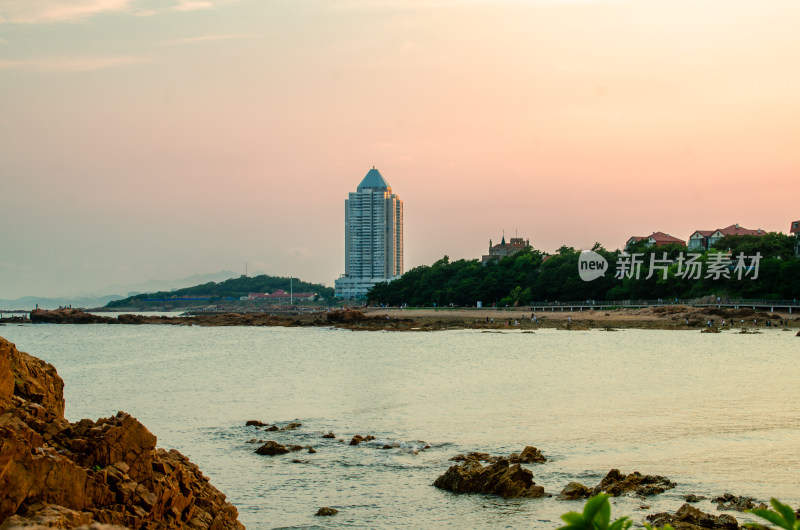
x=705, y=239
x=656, y=239
x=795, y=228
x=280, y=295
x=503, y=249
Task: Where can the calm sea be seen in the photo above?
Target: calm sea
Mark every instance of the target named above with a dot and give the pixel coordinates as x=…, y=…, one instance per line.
x=714, y=413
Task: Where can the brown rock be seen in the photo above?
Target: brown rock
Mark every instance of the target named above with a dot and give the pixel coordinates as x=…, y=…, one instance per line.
x=105, y=472
x=68, y=316
x=329, y=435
x=272, y=448
x=616, y=484
x=255, y=423
x=729, y=501
x=690, y=518
x=530, y=455
x=498, y=478
x=574, y=491
x=292, y=426
x=478, y=457
x=327, y=511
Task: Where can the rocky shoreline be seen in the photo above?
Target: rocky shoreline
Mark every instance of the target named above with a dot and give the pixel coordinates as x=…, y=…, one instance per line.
x=374, y=319
x=512, y=477
x=54, y=473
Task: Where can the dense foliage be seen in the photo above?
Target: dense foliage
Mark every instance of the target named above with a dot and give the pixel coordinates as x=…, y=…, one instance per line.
x=233, y=288
x=531, y=276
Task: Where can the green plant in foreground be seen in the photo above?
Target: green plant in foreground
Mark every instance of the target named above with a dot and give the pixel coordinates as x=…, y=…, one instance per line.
x=596, y=516
x=783, y=516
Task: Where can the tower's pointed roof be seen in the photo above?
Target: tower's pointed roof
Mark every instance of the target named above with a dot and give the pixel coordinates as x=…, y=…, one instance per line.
x=374, y=180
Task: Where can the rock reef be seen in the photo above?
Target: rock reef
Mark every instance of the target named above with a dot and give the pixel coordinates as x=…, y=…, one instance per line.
x=690, y=518
x=109, y=471
x=499, y=478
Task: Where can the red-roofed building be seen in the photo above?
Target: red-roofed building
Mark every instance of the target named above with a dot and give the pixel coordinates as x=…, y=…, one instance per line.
x=280, y=294
x=795, y=227
x=705, y=239
x=656, y=239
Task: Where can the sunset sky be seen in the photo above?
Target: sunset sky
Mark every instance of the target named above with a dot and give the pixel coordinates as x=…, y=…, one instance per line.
x=159, y=139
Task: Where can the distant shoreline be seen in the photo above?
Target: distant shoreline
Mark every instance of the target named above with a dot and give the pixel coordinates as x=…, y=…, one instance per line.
x=395, y=319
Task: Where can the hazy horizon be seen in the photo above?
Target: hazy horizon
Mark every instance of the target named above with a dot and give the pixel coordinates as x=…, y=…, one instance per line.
x=154, y=140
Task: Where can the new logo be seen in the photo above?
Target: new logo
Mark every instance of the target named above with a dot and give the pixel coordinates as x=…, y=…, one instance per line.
x=591, y=265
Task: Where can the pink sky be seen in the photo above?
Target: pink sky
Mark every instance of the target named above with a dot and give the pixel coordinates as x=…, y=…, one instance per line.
x=143, y=139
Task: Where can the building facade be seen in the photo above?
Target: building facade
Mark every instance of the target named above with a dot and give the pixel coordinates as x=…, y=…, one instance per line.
x=373, y=238
x=702, y=240
x=503, y=249
x=656, y=239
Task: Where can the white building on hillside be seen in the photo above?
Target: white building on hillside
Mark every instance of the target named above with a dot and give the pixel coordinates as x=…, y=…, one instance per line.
x=373, y=239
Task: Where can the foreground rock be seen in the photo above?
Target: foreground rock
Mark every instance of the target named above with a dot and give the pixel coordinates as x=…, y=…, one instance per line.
x=690, y=518
x=74, y=474
x=500, y=478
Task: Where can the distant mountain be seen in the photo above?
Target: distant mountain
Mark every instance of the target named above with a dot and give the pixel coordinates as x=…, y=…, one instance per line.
x=111, y=292
x=31, y=302
x=233, y=288
x=168, y=285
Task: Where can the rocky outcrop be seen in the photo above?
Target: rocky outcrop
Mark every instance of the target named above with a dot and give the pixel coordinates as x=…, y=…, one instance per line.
x=574, y=491
x=68, y=316
x=357, y=439
x=478, y=457
x=272, y=448
x=106, y=471
x=529, y=455
x=500, y=478
x=616, y=484
x=729, y=501
x=690, y=518
x=326, y=511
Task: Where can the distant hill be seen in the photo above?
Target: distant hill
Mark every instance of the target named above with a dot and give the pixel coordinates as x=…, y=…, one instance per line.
x=151, y=286
x=31, y=302
x=232, y=288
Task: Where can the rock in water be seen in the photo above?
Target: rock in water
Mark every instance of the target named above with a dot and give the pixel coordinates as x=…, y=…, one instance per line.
x=729, y=501
x=690, y=518
x=272, y=448
x=499, y=478
x=574, y=491
x=616, y=484
x=108, y=471
x=530, y=455
x=327, y=511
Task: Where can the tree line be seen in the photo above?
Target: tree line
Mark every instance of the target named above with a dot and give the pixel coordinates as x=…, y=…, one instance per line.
x=234, y=288
x=532, y=275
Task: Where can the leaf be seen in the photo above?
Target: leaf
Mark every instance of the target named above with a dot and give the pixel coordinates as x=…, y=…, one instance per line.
x=593, y=506
x=772, y=517
x=785, y=511
x=572, y=518
x=621, y=524
x=603, y=516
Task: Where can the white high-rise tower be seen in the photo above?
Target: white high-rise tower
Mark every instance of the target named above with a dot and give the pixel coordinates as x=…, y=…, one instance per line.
x=373, y=239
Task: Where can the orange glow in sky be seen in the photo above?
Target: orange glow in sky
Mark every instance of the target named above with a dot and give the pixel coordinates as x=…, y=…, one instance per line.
x=144, y=139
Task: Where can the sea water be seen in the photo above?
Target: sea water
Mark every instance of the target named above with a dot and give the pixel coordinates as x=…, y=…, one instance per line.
x=715, y=413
